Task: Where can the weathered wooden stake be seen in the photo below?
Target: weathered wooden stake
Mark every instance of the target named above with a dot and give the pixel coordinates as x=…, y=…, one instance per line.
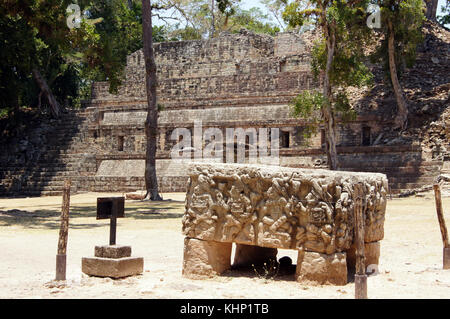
x=444, y=233
x=360, y=275
x=63, y=233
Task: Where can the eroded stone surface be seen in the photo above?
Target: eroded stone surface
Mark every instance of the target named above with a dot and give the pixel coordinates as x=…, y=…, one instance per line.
x=112, y=251
x=321, y=269
x=205, y=258
x=112, y=267
x=279, y=207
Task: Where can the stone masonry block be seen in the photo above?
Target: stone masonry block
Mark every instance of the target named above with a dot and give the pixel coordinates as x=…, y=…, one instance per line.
x=112, y=267
x=112, y=251
x=205, y=258
x=321, y=269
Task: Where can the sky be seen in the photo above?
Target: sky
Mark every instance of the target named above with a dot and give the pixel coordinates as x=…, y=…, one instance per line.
x=247, y=4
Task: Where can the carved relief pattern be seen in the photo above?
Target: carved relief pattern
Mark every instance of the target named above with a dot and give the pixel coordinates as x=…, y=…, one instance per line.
x=280, y=208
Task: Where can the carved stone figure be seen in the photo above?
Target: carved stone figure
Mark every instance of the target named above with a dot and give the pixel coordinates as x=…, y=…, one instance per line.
x=279, y=207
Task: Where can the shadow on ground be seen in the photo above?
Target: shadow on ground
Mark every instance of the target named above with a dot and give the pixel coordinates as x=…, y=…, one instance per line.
x=267, y=271
x=49, y=218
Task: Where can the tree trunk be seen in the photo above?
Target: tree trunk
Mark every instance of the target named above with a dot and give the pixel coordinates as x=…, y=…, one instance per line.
x=45, y=89
x=402, y=110
x=327, y=110
x=213, y=27
x=151, y=123
x=432, y=6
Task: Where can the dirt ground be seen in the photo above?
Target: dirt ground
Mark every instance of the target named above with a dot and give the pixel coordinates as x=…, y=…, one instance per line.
x=410, y=262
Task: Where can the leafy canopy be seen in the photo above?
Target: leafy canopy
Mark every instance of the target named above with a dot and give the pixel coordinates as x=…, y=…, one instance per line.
x=346, y=21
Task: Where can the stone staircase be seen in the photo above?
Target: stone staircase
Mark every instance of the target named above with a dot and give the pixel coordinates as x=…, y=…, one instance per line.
x=405, y=171
x=57, y=159
x=67, y=154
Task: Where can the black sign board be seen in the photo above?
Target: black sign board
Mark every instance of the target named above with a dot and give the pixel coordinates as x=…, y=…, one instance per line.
x=109, y=206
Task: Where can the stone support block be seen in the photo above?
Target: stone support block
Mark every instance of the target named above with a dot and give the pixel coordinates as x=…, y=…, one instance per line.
x=112, y=251
x=321, y=269
x=205, y=258
x=112, y=267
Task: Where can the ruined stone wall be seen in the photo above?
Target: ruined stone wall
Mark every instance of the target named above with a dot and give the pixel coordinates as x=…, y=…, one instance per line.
x=244, y=65
x=240, y=80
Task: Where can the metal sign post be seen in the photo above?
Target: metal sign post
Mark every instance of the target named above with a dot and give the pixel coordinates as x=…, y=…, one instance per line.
x=111, y=208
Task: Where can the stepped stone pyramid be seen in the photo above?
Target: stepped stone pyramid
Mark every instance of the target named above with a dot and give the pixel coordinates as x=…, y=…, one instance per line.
x=242, y=80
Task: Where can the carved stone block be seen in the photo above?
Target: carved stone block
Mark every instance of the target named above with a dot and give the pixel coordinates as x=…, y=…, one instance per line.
x=262, y=208
x=321, y=269
x=205, y=258
x=279, y=207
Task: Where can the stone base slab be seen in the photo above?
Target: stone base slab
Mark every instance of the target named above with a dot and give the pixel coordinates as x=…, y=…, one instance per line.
x=112, y=251
x=205, y=258
x=322, y=269
x=112, y=267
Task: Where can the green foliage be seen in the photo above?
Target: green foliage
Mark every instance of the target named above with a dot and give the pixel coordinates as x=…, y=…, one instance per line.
x=276, y=9
x=347, y=22
x=198, y=17
x=253, y=20
x=187, y=33
x=227, y=7
x=308, y=105
x=268, y=271
x=118, y=34
x=343, y=108
x=445, y=19
x=35, y=34
x=407, y=17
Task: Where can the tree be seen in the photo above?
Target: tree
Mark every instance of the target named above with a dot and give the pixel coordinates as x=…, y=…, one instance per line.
x=401, y=22
x=276, y=9
x=151, y=123
x=338, y=58
x=431, y=6
x=206, y=18
x=445, y=19
x=253, y=20
x=45, y=55
x=56, y=64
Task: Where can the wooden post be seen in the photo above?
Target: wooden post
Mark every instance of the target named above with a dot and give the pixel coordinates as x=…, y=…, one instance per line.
x=63, y=233
x=444, y=233
x=360, y=275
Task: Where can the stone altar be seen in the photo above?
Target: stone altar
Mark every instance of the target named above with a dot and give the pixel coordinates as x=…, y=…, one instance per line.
x=270, y=207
